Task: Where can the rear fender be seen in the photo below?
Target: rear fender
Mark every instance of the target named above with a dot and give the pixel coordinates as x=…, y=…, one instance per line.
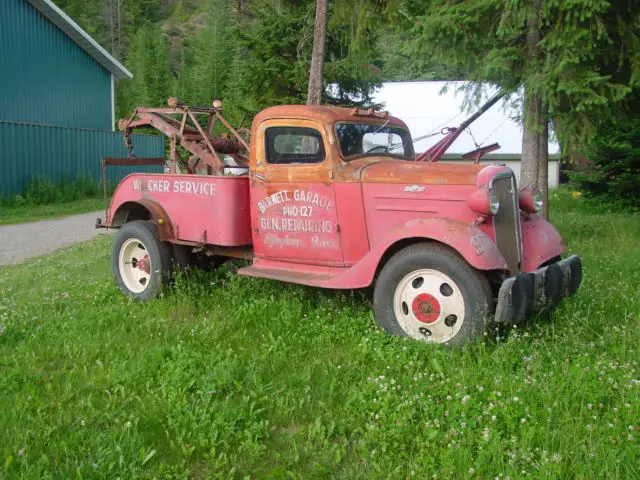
x=130, y=210
x=468, y=241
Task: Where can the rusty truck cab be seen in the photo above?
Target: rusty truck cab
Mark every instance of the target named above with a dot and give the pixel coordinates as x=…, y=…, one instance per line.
x=306, y=165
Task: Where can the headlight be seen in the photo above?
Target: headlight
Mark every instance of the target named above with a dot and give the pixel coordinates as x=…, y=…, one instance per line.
x=538, y=202
x=494, y=202
x=484, y=202
x=530, y=199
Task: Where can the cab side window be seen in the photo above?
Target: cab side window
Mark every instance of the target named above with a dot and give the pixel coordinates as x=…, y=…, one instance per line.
x=287, y=145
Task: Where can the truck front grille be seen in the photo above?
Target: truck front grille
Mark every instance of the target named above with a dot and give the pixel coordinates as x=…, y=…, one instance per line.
x=506, y=223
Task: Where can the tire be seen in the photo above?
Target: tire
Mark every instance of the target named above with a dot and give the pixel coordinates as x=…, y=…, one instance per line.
x=428, y=292
x=140, y=261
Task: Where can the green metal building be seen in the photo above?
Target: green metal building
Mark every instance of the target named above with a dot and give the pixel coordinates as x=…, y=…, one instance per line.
x=57, y=100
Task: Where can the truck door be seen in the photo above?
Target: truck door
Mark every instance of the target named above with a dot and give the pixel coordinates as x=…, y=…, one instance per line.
x=293, y=207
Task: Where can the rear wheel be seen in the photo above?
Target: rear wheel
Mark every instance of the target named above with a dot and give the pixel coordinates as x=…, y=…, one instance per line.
x=141, y=262
x=429, y=293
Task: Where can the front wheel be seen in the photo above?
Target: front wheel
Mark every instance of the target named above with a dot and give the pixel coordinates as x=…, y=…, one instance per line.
x=429, y=293
x=140, y=261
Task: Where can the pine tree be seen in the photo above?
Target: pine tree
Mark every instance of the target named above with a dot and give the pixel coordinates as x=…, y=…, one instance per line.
x=149, y=62
x=576, y=59
x=136, y=91
x=212, y=55
x=159, y=76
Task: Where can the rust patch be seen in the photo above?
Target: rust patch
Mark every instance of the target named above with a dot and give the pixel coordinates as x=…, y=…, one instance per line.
x=420, y=173
x=478, y=243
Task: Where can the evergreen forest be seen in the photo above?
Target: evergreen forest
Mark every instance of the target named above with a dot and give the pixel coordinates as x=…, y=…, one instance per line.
x=574, y=66
x=249, y=53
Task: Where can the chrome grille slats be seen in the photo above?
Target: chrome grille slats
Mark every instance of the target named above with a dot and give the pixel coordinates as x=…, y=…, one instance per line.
x=506, y=223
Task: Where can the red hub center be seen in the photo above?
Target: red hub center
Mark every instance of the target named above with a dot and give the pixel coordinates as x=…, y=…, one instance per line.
x=143, y=264
x=426, y=308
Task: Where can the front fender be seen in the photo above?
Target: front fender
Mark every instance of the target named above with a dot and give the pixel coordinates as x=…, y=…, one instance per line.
x=475, y=246
x=540, y=242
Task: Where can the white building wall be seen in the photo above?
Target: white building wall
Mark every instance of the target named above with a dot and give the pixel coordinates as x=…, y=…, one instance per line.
x=427, y=107
x=554, y=168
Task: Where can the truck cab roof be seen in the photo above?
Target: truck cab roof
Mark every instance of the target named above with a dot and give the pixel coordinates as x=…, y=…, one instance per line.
x=327, y=114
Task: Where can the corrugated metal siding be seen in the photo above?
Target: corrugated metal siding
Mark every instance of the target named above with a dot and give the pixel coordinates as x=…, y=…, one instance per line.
x=61, y=153
x=45, y=77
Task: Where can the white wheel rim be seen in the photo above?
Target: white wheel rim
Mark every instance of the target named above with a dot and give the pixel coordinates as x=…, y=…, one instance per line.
x=429, y=306
x=135, y=265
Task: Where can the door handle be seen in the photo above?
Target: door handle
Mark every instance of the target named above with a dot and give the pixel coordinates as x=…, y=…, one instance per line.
x=261, y=177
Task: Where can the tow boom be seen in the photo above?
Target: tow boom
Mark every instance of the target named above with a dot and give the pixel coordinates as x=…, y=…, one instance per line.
x=434, y=153
x=187, y=132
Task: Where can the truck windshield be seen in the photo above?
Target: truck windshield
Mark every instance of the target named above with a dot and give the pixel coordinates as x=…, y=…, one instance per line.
x=358, y=139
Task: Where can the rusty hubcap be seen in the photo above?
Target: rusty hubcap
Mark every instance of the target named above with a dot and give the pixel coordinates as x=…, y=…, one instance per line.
x=426, y=308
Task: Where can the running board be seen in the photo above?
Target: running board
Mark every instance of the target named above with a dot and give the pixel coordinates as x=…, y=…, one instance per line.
x=292, y=276
x=358, y=275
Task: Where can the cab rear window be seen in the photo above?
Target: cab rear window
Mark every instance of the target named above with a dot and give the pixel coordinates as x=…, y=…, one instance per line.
x=287, y=145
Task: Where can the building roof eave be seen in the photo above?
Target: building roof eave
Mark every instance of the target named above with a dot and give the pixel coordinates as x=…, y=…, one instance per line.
x=516, y=157
x=82, y=38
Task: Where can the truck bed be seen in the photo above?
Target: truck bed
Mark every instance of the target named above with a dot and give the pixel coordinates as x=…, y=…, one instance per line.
x=204, y=209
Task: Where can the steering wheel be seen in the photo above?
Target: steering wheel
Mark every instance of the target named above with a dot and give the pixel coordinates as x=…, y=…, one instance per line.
x=384, y=148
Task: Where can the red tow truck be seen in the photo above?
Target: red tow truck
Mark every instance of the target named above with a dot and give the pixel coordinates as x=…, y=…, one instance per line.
x=336, y=198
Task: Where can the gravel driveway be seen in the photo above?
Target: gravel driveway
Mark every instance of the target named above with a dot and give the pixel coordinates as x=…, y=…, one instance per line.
x=21, y=241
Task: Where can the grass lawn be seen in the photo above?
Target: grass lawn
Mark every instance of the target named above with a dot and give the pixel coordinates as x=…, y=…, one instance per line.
x=234, y=377
x=10, y=214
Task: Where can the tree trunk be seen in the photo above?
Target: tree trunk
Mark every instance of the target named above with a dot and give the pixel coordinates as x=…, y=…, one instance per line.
x=314, y=94
x=530, y=164
x=535, y=122
x=543, y=157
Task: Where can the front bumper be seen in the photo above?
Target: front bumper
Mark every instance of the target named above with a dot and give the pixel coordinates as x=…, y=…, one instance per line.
x=528, y=293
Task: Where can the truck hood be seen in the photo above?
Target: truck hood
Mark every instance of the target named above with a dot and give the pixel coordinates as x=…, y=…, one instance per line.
x=402, y=171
